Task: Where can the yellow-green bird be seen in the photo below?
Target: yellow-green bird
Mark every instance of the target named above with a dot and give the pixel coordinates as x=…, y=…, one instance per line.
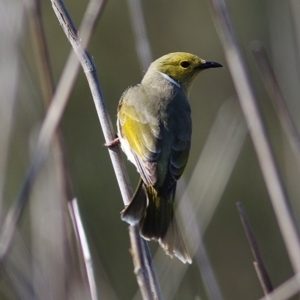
x=154, y=129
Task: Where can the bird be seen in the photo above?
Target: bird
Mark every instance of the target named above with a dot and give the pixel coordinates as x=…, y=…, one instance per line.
x=154, y=130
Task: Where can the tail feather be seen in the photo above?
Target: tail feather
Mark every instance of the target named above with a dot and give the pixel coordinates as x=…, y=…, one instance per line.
x=159, y=224
x=173, y=243
x=135, y=211
x=156, y=218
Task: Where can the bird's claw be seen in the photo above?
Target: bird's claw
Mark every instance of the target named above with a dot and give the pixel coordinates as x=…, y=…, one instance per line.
x=113, y=143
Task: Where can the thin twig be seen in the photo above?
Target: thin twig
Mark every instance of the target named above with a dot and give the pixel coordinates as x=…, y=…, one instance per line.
x=84, y=246
x=10, y=13
x=294, y=7
x=88, y=66
x=39, y=39
x=285, y=291
x=259, y=265
x=39, y=200
x=278, y=101
x=138, y=25
x=257, y=131
x=47, y=84
x=139, y=266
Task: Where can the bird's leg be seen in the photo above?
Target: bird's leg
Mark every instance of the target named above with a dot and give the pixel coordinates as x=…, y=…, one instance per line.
x=113, y=143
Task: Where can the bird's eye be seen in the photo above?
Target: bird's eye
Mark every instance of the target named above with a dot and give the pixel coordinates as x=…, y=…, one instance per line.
x=185, y=64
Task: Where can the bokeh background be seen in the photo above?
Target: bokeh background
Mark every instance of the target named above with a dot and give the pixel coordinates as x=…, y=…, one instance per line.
x=43, y=262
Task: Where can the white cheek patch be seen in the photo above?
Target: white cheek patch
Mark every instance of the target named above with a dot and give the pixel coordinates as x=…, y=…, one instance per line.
x=170, y=79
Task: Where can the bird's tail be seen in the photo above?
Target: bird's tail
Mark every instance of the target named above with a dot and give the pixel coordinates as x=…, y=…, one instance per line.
x=155, y=215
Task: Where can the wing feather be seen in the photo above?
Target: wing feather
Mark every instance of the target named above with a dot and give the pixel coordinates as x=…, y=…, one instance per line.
x=143, y=139
x=144, y=134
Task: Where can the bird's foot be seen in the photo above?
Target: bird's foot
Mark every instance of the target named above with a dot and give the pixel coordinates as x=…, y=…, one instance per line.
x=113, y=143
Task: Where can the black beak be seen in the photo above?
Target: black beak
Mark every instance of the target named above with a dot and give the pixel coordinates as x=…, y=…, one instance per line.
x=209, y=65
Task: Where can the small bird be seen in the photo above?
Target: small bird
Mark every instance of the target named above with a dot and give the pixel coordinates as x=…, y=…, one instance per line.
x=154, y=130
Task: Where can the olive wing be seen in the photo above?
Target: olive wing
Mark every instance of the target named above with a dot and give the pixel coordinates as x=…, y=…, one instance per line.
x=143, y=139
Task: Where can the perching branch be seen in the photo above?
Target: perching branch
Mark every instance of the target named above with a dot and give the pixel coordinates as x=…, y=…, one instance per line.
x=146, y=276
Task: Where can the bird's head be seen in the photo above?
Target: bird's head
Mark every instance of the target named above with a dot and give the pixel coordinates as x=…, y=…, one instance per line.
x=182, y=67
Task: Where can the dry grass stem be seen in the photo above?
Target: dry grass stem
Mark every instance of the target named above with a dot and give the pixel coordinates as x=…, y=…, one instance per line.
x=286, y=290
x=84, y=246
x=90, y=18
x=9, y=73
x=39, y=39
x=48, y=130
x=257, y=131
x=274, y=91
x=141, y=38
x=258, y=263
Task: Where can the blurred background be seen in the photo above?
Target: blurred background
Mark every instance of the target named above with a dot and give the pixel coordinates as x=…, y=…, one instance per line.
x=44, y=261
